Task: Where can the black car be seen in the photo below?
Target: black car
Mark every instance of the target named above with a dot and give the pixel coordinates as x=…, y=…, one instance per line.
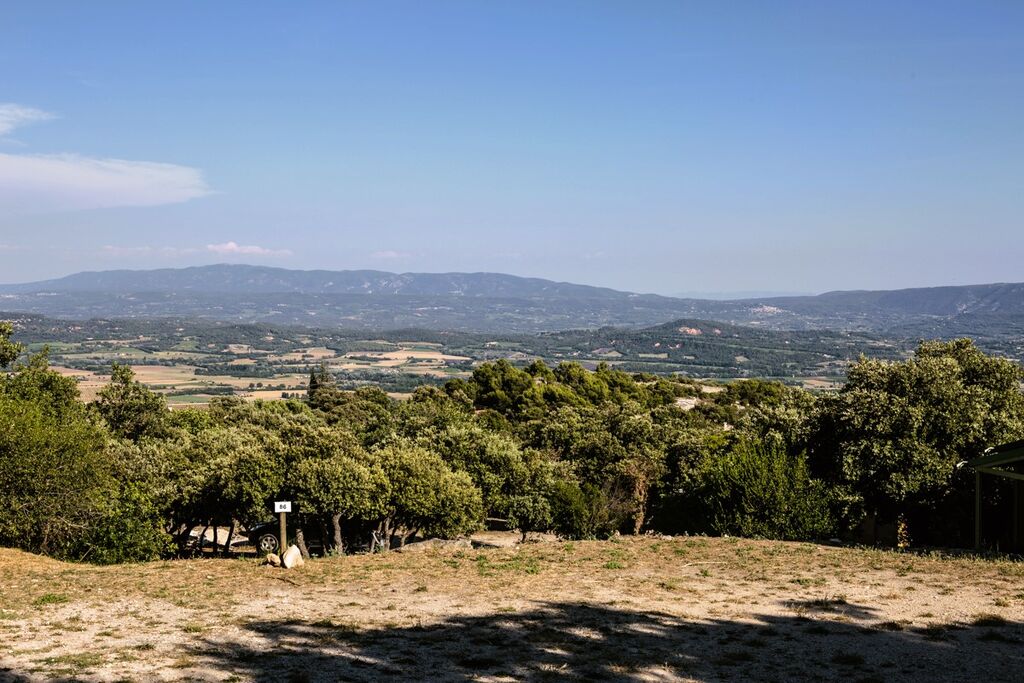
x=265, y=537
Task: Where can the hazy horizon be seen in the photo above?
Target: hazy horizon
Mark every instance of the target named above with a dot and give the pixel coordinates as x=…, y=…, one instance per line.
x=710, y=295
x=753, y=147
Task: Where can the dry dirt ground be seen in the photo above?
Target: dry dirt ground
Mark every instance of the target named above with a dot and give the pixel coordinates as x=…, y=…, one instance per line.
x=643, y=609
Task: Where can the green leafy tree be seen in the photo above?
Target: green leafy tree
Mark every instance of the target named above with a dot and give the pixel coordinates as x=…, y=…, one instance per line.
x=340, y=488
x=425, y=496
x=8, y=350
x=367, y=412
x=892, y=437
x=130, y=530
x=494, y=461
x=227, y=475
x=643, y=463
x=130, y=409
x=55, y=481
x=501, y=386
x=432, y=409
x=530, y=508
x=36, y=382
x=332, y=477
x=321, y=385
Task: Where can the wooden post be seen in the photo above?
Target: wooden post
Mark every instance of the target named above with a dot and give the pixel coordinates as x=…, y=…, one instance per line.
x=282, y=507
x=284, y=533
x=1016, y=515
x=977, y=510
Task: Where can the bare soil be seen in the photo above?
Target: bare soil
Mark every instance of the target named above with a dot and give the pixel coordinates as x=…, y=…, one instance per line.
x=632, y=609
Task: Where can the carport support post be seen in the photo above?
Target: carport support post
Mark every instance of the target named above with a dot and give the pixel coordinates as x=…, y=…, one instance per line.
x=284, y=533
x=977, y=510
x=1016, y=515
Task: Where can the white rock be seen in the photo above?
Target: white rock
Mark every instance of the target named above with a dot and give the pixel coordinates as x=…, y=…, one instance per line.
x=292, y=558
x=273, y=560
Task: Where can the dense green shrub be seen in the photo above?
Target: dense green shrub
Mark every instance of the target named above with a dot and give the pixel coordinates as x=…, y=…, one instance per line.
x=131, y=529
x=54, y=479
x=425, y=496
x=892, y=437
x=759, y=490
x=581, y=512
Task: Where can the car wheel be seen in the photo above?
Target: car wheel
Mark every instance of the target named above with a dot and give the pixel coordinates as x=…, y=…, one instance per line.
x=267, y=543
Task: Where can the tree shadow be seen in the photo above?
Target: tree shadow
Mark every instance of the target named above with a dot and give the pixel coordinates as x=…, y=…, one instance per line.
x=9, y=675
x=831, y=606
x=574, y=641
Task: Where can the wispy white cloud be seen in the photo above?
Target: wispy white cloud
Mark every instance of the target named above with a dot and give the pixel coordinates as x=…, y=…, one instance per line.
x=235, y=249
x=40, y=183
x=390, y=254
x=14, y=115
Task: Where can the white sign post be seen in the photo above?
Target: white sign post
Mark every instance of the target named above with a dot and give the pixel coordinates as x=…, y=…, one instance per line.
x=282, y=508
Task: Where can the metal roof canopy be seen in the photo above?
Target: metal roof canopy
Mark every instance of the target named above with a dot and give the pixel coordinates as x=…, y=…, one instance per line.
x=992, y=462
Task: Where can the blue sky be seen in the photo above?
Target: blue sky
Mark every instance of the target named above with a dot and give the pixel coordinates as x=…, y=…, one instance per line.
x=650, y=146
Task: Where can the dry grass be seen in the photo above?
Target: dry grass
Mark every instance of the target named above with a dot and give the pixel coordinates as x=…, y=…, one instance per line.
x=628, y=609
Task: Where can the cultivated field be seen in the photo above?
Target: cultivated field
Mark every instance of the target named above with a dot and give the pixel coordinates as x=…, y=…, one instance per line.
x=192, y=361
x=177, y=374
x=630, y=609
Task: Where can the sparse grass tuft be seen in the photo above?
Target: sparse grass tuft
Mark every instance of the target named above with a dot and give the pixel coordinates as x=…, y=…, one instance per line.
x=806, y=581
x=990, y=620
x=75, y=662
x=50, y=599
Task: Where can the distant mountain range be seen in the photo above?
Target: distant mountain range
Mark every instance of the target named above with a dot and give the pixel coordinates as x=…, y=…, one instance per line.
x=369, y=299
x=244, y=279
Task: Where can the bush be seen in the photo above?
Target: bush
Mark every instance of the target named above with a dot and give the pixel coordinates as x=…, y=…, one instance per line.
x=54, y=479
x=531, y=512
x=425, y=496
x=759, y=490
x=570, y=516
x=130, y=531
x=581, y=512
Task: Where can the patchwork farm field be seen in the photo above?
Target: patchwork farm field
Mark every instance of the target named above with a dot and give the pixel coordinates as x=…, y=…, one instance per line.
x=645, y=609
x=189, y=377
x=192, y=361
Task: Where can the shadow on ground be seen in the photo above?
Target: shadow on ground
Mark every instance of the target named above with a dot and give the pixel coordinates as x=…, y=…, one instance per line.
x=570, y=641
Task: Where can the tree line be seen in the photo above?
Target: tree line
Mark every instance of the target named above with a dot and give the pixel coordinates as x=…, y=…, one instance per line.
x=584, y=454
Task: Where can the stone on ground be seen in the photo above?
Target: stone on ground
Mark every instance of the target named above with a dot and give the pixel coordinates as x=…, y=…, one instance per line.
x=292, y=557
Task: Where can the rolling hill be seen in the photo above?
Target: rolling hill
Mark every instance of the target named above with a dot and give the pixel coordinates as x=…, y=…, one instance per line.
x=492, y=302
